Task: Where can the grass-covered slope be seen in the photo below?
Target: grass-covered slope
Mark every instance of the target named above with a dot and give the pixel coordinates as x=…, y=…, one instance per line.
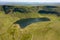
x=45, y=30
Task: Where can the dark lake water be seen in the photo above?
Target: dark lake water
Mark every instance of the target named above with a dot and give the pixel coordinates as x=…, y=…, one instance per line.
x=48, y=12
x=50, y=6
x=25, y=22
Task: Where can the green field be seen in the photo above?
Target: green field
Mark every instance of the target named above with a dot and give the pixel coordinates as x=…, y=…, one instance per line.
x=49, y=30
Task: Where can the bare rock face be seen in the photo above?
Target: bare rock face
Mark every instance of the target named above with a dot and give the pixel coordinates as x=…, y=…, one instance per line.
x=39, y=9
x=21, y=10
x=7, y=9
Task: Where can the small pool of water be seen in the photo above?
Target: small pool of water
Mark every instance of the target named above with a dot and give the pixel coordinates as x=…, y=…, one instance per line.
x=50, y=6
x=25, y=22
x=48, y=12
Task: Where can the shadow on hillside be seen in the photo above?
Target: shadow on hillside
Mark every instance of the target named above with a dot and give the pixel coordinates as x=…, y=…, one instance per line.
x=7, y=9
x=21, y=10
x=45, y=9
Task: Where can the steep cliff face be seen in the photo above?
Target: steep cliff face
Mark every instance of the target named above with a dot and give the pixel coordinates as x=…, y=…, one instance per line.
x=35, y=9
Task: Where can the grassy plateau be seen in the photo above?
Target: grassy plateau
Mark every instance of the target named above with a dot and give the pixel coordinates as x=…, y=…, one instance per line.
x=45, y=30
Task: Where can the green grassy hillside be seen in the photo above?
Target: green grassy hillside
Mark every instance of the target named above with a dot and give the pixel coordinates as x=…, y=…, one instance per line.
x=48, y=30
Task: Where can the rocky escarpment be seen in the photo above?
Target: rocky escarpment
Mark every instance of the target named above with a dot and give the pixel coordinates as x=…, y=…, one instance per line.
x=26, y=9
